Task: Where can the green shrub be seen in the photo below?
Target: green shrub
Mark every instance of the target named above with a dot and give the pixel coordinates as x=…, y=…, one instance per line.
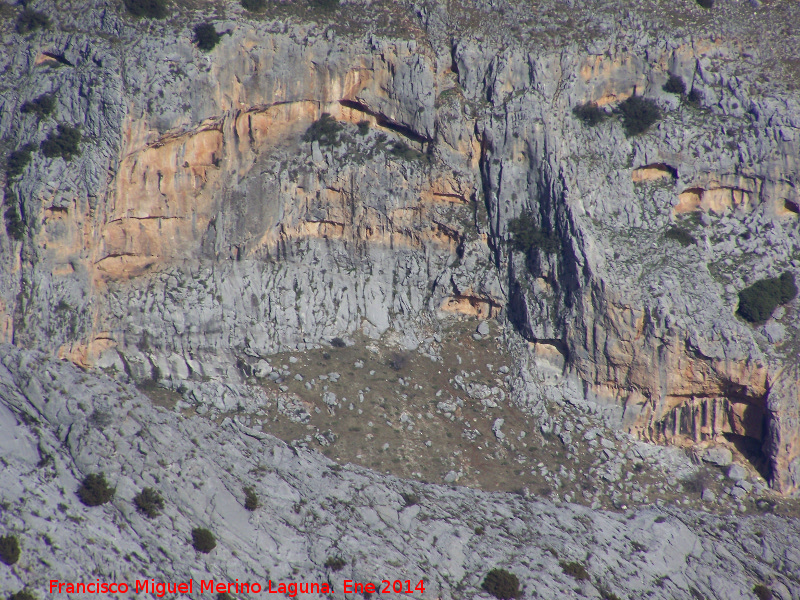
x=404, y=151
x=324, y=130
x=205, y=36
x=64, y=143
x=250, y=498
x=22, y=595
x=42, y=107
x=94, y=490
x=707, y=4
x=9, y=549
x=695, y=98
x=335, y=563
x=31, y=20
x=574, y=569
x=409, y=499
x=149, y=502
x=18, y=160
x=758, y=301
x=151, y=9
x=502, y=584
x=638, y=114
x=254, y=5
x=15, y=228
x=203, y=540
x=363, y=127
x=528, y=236
x=589, y=113
x=398, y=360
x=762, y=592
x=607, y=594
x=338, y=342
x=680, y=235
x=675, y=85
x=325, y=5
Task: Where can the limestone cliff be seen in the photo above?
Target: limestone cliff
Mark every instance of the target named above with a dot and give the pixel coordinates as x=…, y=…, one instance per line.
x=198, y=230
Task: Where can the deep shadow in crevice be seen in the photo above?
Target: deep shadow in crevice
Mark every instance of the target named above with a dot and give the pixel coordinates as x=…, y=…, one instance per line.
x=383, y=121
x=751, y=449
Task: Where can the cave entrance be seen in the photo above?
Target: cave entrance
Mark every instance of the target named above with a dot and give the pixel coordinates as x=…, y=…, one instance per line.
x=752, y=451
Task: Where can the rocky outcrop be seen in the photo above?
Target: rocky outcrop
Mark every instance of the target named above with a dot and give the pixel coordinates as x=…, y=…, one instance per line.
x=198, y=227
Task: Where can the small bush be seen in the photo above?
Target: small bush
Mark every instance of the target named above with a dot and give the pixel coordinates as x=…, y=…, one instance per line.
x=15, y=228
x=528, y=236
x=205, y=36
x=758, y=301
x=502, y=584
x=638, y=114
x=151, y=9
x=149, y=502
x=9, y=549
x=695, y=98
x=325, y=5
x=42, y=107
x=697, y=482
x=707, y=4
x=335, y=563
x=480, y=530
x=406, y=152
x=762, y=592
x=574, y=569
x=250, y=498
x=63, y=144
x=409, y=499
x=675, y=85
x=22, y=595
x=398, y=360
x=94, y=490
x=589, y=113
x=31, y=20
x=18, y=160
x=254, y=5
x=363, y=127
x=338, y=342
x=324, y=130
x=203, y=540
x=606, y=594
x=680, y=235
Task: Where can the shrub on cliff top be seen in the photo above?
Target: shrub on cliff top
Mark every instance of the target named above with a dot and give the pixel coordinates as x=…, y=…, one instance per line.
x=205, y=36
x=638, y=114
x=151, y=9
x=203, y=540
x=502, y=584
x=63, y=143
x=9, y=549
x=94, y=490
x=527, y=235
x=758, y=301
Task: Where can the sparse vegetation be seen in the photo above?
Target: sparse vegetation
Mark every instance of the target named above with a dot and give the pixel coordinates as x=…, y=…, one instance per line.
x=325, y=5
x=606, y=594
x=206, y=36
x=480, y=530
x=203, y=540
x=528, y=236
x=680, y=235
x=94, y=491
x=64, y=143
x=250, y=499
x=149, y=502
x=589, y=113
x=694, y=98
x=501, y=584
x=758, y=301
x=151, y=9
x=363, y=127
x=402, y=150
x=638, y=114
x=9, y=549
x=707, y=4
x=409, y=499
x=324, y=130
x=31, y=20
x=42, y=106
x=675, y=85
x=18, y=160
x=335, y=563
x=574, y=569
x=254, y=5
x=398, y=360
x=697, y=482
x=22, y=595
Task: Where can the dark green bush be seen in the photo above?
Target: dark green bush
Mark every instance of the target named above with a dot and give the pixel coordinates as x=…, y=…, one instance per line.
x=638, y=114
x=149, y=502
x=9, y=549
x=675, y=85
x=695, y=98
x=502, y=584
x=409, y=499
x=574, y=569
x=254, y=5
x=64, y=143
x=762, y=592
x=680, y=235
x=250, y=498
x=589, y=113
x=151, y=9
x=528, y=236
x=22, y=595
x=94, y=490
x=324, y=130
x=203, y=540
x=18, y=160
x=15, y=228
x=398, y=360
x=31, y=20
x=205, y=36
x=404, y=151
x=606, y=594
x=325, y=5
x=338, y=342
x=42, y=107
x=335, y=563
x=758, y=301
x=363, y=127
x=707, y=4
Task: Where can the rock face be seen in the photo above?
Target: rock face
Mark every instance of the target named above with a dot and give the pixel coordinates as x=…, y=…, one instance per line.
x=199, y=231
x=61, y=424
